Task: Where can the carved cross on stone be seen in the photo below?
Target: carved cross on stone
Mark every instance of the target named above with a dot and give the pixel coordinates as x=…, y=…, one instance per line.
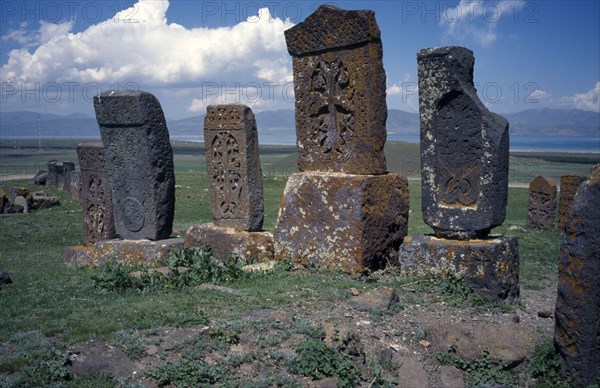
x=226, y=172
x=331, y=107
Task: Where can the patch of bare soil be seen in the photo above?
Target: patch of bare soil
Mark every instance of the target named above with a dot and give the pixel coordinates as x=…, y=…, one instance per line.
x=396, y=345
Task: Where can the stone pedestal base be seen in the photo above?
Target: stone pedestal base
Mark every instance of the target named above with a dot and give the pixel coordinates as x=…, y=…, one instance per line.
x=225, y=241
x=490, y=266
x=121, y=251
x=341, y=221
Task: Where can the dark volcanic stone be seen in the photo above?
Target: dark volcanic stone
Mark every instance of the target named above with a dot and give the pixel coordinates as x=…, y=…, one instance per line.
x=568, y=188
x=41, y=177
x=464, y=148
x=139, y=161
x=52, y=179
x=577, y=333
x=541, y=211
x=341, y=221
x=96, y=198
x=233, y=165
x=339, y=86
x=489, y=266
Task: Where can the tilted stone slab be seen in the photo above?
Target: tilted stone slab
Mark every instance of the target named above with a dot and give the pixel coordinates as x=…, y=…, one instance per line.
x=541, y=210
x=75, y=188
x=139, y=161
x=96, y=198
x=578, y=302
x=233, y=167
x=489, y=266
x=569, y=184
x=341, y=221
x=339, y=86
x=225, y=242
x=464, y=148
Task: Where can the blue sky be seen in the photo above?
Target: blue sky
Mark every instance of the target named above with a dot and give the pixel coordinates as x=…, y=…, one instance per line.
x=55, y=56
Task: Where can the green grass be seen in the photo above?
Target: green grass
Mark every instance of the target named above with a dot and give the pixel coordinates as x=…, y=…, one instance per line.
x=61, y=306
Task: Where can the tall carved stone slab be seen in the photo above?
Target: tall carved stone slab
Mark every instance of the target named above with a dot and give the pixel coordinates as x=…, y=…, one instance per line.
x=541, y=210
x=139, y=161
x=233, y=166
x=96, y=198
x=339, y=86
x=568, y=188
x=464, y=148
x=59, y=175
x=577, y=333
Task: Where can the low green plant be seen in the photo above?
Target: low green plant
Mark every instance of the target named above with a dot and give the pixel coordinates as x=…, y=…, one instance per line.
x=316, y=360
x=223, y=335
x=48, y=371
x=545, y=366
x=482, y=370
x=188, y=374
x=132, y=342
x=201, y=267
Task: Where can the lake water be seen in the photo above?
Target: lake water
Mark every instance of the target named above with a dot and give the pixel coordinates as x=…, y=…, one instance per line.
x=517, y=143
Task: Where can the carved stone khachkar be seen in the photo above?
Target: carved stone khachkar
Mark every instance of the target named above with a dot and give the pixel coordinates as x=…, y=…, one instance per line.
x=541, y=210
x=59, y=175
x=139, y=161
x=343, y=211
x=233, y=163
x=235, y=186
x=464, y=179
x=96, y=197
x=577, y=310
x=464, y=148
x=75, y=188
x=568, y=188
x=339, y=86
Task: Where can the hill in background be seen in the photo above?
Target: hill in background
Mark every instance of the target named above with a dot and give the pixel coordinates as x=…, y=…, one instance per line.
x=278, y=126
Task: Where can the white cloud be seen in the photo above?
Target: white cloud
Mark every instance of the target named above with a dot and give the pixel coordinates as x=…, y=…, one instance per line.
x=585, y=101
x=477, y=20
x=394, y=90
x=404, y=95
x=539, y=94
x=151, y=51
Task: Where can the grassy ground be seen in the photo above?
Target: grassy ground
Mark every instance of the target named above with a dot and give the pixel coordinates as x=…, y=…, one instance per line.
x=50, y=307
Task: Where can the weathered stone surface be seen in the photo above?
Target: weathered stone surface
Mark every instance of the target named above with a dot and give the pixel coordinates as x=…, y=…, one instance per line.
x=489, y=266
x=451, y=377
x=464, y=148
x=22, y=202
x=64, y=176
x=3, y=200
x=541, y=211
x=40, y=200
x=568, y=188
x=348, y=222
x=52, y=179
x=96, y=197
x=121, y=251
x=411, y=373
x=75, y=188
x=59, y=175
x=378, y=299
x=227, y=241
x=40, y=178
x=139, y=161
x=577, y=312
x=511, y=343
x=233, y=166
x=339, y=86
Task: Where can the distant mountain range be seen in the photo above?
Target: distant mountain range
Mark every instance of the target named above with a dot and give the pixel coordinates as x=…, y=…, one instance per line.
x=279, y=124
